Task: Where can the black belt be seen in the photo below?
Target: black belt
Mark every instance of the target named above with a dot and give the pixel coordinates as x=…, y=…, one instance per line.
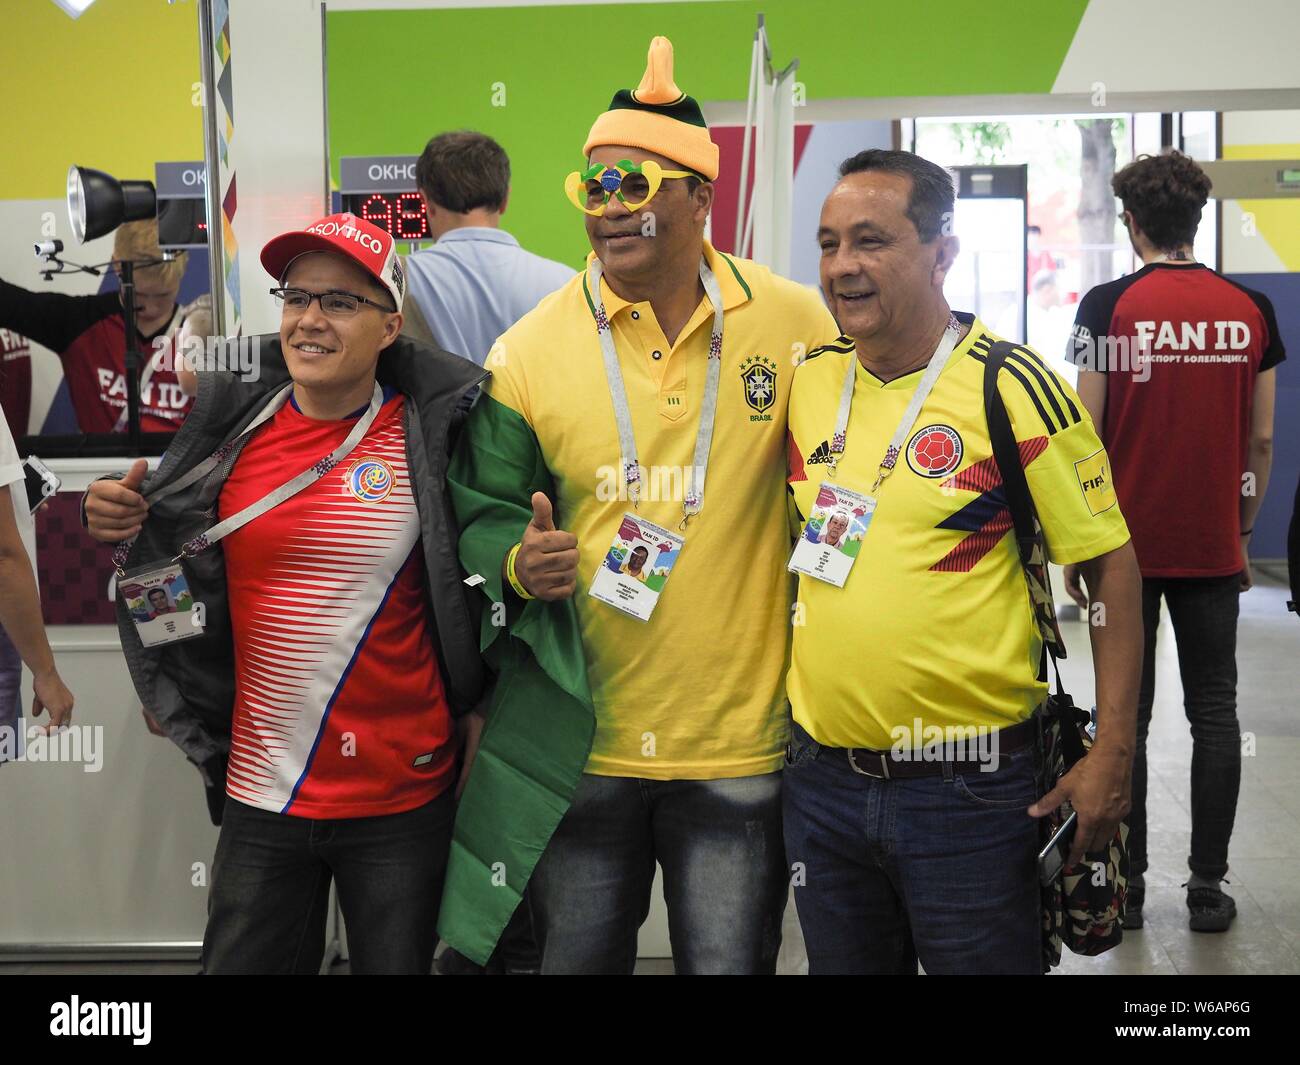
x=929, y=761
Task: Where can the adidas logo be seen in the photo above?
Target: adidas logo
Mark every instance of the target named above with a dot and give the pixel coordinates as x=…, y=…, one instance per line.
x=821, y=454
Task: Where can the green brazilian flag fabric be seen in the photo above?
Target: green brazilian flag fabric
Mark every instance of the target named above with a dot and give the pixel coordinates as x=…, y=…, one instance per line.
x=541, y=720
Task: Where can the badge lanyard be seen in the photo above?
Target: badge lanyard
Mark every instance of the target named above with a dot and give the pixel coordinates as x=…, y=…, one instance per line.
x=693, y=501
x=935, y=367
x=272, y=499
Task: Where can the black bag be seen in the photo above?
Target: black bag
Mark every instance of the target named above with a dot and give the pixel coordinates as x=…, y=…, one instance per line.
x=1081, y=907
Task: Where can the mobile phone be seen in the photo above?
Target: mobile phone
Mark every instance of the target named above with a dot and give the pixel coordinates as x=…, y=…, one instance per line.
x=41, y=482
x=1051, y=859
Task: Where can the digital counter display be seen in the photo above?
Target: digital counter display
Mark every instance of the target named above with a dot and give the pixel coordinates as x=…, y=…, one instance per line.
x=400, y=214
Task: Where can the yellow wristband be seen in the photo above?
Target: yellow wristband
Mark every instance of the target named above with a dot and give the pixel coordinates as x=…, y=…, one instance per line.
x=520, y=590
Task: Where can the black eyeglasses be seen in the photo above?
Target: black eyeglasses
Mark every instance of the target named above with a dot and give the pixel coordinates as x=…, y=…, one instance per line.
x=334, y=304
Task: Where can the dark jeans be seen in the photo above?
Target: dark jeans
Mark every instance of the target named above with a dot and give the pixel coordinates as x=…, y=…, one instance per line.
x=516, y=950
x=271, y=880
x=943, y=868
x=719, y=844
x=11, y=680
x=1204, y=615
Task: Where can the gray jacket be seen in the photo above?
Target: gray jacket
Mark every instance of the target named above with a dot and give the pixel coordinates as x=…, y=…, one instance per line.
x=190, y=686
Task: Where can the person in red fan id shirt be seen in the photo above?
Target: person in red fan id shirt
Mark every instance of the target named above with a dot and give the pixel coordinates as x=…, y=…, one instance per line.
x=88, y=333
x=335, y=606
x=15, y=381
x=1176, y=368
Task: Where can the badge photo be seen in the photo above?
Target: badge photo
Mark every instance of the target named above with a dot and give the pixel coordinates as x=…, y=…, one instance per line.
x=636, y=567
x=832, y=535
x=161, y=605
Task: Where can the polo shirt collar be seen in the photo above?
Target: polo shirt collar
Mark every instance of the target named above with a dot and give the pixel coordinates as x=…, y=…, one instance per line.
x=734, y=285
x=486, y=233
x=731, y=282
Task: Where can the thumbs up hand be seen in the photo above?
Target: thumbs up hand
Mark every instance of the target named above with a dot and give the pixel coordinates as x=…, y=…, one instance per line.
x=547, y=563
x=543, y=518
x=115, y=510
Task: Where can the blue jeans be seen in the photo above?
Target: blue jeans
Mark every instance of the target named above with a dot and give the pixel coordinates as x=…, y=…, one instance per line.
x=719, y=843
x=943, y=868
x=269, y=899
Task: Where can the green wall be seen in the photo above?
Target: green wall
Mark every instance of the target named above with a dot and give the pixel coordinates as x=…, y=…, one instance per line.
x=398, y=77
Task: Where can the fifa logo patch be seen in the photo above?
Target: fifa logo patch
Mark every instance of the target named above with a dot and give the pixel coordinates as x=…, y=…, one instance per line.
x=1095, y=482
x=369, y=480
x=934, y=451
x=758, y=375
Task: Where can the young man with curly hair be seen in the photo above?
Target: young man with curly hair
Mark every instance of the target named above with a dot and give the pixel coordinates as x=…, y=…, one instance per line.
x=1176, y=369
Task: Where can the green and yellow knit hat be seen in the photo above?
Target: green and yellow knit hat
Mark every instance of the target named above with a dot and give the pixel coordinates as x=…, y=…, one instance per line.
x=658, y=117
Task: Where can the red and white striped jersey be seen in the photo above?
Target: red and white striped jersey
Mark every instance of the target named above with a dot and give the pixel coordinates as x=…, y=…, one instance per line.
x=339, y=703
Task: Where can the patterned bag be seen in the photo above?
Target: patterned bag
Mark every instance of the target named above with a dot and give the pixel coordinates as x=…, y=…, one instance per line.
x=1082, y=906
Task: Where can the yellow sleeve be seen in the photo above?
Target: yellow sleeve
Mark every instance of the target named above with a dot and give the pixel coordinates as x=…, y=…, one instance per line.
x=822, y=329
x=508, y=384
x=1066, y=465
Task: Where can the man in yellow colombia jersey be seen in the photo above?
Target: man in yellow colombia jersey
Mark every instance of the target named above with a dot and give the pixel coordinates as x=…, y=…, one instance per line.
x=932, y=634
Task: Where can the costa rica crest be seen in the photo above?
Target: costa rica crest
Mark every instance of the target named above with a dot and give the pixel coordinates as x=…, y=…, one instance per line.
x=369, y=480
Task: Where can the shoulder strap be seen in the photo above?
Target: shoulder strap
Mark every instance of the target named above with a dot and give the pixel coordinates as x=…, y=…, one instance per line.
x=1006, y=452
x=1020, y=502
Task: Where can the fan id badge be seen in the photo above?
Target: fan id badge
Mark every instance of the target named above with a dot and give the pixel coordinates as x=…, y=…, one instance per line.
x=636, y=567
x=161, y=604
x=832, y=536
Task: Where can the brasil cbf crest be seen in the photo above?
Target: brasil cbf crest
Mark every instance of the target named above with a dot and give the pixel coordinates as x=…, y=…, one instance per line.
x=369, y=480
x=758, y=375
x=934, y=451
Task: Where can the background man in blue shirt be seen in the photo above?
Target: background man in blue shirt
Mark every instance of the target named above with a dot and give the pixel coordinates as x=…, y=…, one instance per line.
x=476, y=282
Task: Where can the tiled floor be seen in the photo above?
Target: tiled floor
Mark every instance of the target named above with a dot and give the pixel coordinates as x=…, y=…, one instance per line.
x=1264, y=859
x=1265, y=856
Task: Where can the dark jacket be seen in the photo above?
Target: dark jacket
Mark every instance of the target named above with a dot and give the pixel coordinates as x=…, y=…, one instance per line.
x=190, y=686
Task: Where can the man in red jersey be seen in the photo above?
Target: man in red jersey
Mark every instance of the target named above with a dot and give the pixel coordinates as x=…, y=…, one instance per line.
x=337, y=646
x=1176, y=369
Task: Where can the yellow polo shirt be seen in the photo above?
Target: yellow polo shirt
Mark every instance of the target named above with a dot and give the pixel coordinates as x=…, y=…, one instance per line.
x=934, y=625
x=696, y=692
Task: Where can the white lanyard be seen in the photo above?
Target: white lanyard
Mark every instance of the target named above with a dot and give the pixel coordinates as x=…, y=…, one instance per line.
x=277, y=400
x=272, y=499
x=935, y=367
x=693, y=501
